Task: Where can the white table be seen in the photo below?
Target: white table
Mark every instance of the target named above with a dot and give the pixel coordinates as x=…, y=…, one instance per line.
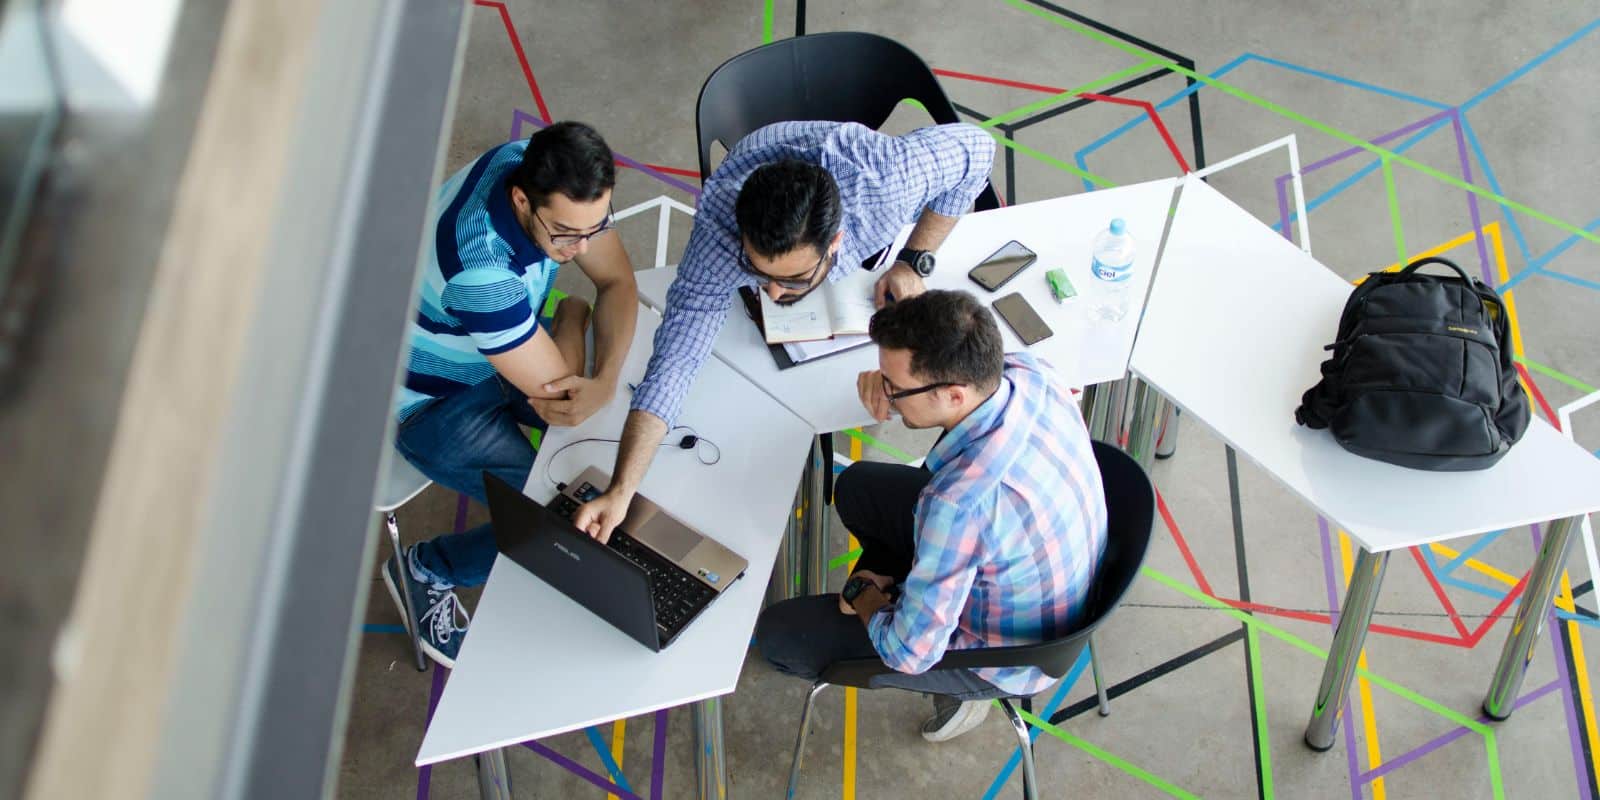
x=1233, y=334
x=537, y=664
x=1061, y=231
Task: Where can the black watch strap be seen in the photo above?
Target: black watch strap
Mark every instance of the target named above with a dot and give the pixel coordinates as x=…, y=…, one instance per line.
x=921, y=261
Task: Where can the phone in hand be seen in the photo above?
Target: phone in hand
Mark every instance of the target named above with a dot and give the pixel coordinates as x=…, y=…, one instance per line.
x=1022, y=319
x=1002, y=265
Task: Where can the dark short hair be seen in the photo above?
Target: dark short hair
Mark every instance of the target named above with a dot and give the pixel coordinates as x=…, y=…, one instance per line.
x=566, y=157
x=788, y=204
x=951, y=336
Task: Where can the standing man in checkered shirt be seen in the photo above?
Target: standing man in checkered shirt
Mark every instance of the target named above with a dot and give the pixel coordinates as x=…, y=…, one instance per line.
x=793, y=205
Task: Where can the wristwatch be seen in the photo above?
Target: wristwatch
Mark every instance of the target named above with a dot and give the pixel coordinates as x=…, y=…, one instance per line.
x=853, y=588
x=919, y=260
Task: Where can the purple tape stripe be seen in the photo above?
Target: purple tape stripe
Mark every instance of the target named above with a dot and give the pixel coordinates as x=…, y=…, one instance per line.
x=1434, y=744
x=1347, y=710
x=520, y=118
x=1472, y=199
x=658, y=756
x=1283, y=206
x=1394, y=134
x=1569, y=705
x=425, y=774
x=580, y=771
x=461, y=512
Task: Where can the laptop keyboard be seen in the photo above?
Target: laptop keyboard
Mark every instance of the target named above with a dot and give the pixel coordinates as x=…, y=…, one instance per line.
x=676, y=594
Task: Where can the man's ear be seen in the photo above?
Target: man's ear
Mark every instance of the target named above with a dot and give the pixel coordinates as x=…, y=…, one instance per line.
x=519, y=200
x=957, y=394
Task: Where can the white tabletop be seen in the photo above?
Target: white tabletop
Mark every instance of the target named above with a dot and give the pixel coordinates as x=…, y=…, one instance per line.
x=536, y=664
x=1233, y=333
x=1060, y=230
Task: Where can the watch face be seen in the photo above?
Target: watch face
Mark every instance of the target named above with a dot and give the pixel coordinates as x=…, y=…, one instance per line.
x=924, y=265
x=852, y=589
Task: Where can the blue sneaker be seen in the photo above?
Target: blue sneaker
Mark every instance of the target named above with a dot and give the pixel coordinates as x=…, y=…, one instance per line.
x=441, y=620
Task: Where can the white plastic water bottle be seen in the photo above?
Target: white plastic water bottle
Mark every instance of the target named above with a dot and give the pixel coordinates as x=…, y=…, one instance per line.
x=1113, y=270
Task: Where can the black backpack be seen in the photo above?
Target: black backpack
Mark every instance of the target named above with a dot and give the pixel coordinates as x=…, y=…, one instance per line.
x=1421, y=373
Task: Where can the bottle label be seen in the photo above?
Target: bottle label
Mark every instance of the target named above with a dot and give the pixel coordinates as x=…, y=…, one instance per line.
x=1111, y=273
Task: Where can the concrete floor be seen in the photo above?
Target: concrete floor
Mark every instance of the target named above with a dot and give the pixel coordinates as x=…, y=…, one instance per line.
x=1205, y=708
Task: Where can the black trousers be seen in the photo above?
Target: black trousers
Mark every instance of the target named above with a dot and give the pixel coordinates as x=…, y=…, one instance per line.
x=801, y=637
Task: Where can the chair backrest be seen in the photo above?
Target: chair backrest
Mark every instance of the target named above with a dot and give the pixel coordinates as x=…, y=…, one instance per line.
x=1130, y=519
x=843, y=76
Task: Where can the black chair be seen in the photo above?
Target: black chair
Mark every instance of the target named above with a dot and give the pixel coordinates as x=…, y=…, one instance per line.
x=843, y=77
x=1130, y=506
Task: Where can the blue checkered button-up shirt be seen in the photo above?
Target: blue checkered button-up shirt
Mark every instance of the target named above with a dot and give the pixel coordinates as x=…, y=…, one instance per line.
x=884, y=182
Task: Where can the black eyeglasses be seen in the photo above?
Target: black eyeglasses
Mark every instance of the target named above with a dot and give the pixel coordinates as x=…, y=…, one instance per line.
x=889, y=392
x=797, y=284
x=563, y=241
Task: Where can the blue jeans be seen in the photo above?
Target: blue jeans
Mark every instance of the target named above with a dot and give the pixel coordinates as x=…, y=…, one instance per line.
x=453, y=440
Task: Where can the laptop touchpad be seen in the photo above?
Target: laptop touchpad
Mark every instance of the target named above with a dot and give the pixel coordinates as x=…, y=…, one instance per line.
x=669, y=538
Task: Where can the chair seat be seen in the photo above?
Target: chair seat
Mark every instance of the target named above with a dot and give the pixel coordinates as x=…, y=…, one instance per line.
x=401, y=484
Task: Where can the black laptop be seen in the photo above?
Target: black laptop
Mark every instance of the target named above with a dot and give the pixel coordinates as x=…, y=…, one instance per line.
x=626, y=582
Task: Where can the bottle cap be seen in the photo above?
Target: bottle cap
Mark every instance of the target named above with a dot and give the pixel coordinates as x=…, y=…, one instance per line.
x=1117, y=227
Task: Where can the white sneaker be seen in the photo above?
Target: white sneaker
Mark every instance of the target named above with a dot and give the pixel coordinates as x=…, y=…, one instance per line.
x=952, y=717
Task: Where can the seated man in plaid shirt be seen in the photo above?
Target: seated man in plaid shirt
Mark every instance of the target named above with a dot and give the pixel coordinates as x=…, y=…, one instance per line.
x=993, y=543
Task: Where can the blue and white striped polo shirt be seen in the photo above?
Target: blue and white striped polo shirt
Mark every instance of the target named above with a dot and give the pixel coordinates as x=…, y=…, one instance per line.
x=482, y=284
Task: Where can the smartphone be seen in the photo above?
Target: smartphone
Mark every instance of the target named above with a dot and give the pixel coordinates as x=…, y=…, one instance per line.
x=1001, y=266
x=1024, y=321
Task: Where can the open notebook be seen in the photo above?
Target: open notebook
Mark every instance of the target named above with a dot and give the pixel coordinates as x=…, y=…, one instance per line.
x=833, y=309
x=832, y=319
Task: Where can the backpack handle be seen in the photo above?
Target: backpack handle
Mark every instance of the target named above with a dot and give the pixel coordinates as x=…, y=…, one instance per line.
x=1421, y=262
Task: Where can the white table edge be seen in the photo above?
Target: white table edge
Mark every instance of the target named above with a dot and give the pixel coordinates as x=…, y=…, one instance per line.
x=600, y=720
x=1417, y=542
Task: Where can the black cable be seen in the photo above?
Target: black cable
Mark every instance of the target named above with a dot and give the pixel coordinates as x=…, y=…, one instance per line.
x=689, y=441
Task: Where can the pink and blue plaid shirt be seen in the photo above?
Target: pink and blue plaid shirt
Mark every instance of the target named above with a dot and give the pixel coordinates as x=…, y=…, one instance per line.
x=1008, y=532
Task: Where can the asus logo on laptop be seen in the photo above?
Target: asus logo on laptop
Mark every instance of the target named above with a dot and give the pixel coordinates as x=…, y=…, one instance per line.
x=570, y=554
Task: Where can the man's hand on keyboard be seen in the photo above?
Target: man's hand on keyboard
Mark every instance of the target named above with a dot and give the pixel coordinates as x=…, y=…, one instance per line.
x=600, y=516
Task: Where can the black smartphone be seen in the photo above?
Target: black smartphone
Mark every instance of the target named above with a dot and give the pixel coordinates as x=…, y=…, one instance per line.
x=1024, y=321
x=1003, y=265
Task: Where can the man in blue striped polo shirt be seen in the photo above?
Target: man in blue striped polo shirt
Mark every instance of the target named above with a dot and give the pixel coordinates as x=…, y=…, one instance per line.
x=793, y=205
x=482, y=362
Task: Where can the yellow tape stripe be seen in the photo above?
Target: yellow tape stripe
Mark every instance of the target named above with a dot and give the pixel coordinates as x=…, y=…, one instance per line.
x=848, y=792
x=619, y=734
x=1475, y=564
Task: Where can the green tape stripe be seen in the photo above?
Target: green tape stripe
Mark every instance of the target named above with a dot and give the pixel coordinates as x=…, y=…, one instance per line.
x=886, y=449
x=1093, y=750
x=766, y=22
x=1394, y=210
x=844, y=560
x=1040, y=105
x=535, y=437
x=1303, y=119
x=1491, y=751
x=1560, y=376
x=1103, y=183
x=1289, y=638
x=1263, y=741
x=550, y=301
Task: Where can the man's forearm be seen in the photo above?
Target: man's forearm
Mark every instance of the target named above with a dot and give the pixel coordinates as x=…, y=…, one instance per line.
x=615, y=314
x=641, y=435
x=931, y=230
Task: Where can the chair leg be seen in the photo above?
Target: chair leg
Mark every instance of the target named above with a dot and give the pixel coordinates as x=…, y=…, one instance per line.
x=1099, y=686
x=1030, y=782
x=800, y=739
x=403, y=570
